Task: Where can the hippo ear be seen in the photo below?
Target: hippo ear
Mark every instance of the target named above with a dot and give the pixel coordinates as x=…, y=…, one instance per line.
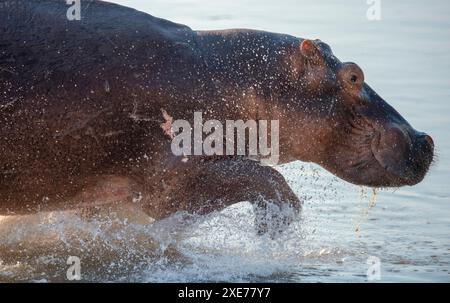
x=309, y=49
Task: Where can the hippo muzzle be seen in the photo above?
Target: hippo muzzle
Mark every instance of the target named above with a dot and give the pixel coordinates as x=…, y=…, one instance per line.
x=382, y=148
x=367, y=141
x=404, y=153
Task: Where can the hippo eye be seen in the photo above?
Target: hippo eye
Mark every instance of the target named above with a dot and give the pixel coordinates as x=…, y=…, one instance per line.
x=351, y=76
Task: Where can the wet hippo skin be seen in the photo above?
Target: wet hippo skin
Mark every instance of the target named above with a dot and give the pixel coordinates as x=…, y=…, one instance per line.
x=82, y=106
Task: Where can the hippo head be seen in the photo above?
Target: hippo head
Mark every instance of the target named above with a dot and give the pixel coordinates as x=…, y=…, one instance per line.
x=336, y=120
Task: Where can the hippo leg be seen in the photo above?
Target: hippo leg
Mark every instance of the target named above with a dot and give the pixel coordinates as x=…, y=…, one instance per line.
x=202, y=186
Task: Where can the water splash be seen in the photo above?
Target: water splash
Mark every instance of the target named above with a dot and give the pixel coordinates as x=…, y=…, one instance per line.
x=371, y=202
x=222, y=246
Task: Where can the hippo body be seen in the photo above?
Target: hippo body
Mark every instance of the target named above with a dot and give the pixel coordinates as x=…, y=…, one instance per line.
x=84, y=104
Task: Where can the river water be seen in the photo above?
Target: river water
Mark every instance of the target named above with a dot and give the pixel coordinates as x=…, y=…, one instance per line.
x=406, y=59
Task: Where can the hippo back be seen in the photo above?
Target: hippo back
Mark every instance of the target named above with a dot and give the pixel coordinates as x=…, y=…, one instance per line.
x=81, y=97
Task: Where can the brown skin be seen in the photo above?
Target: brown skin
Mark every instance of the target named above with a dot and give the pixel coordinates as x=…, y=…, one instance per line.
x=81, y=113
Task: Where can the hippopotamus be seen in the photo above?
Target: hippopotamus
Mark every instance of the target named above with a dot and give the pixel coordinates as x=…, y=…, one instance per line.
x=86, y=107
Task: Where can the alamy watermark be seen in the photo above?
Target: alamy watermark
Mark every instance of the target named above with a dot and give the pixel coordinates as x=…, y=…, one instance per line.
x=228, y=139
x=73, y=273
x=74, y=11
x=374, y=271
x=374, y=10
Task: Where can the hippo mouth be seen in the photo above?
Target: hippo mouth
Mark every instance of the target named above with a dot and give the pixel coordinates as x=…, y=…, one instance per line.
x=405, y=162
x=392, y=177
x=383, y=160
